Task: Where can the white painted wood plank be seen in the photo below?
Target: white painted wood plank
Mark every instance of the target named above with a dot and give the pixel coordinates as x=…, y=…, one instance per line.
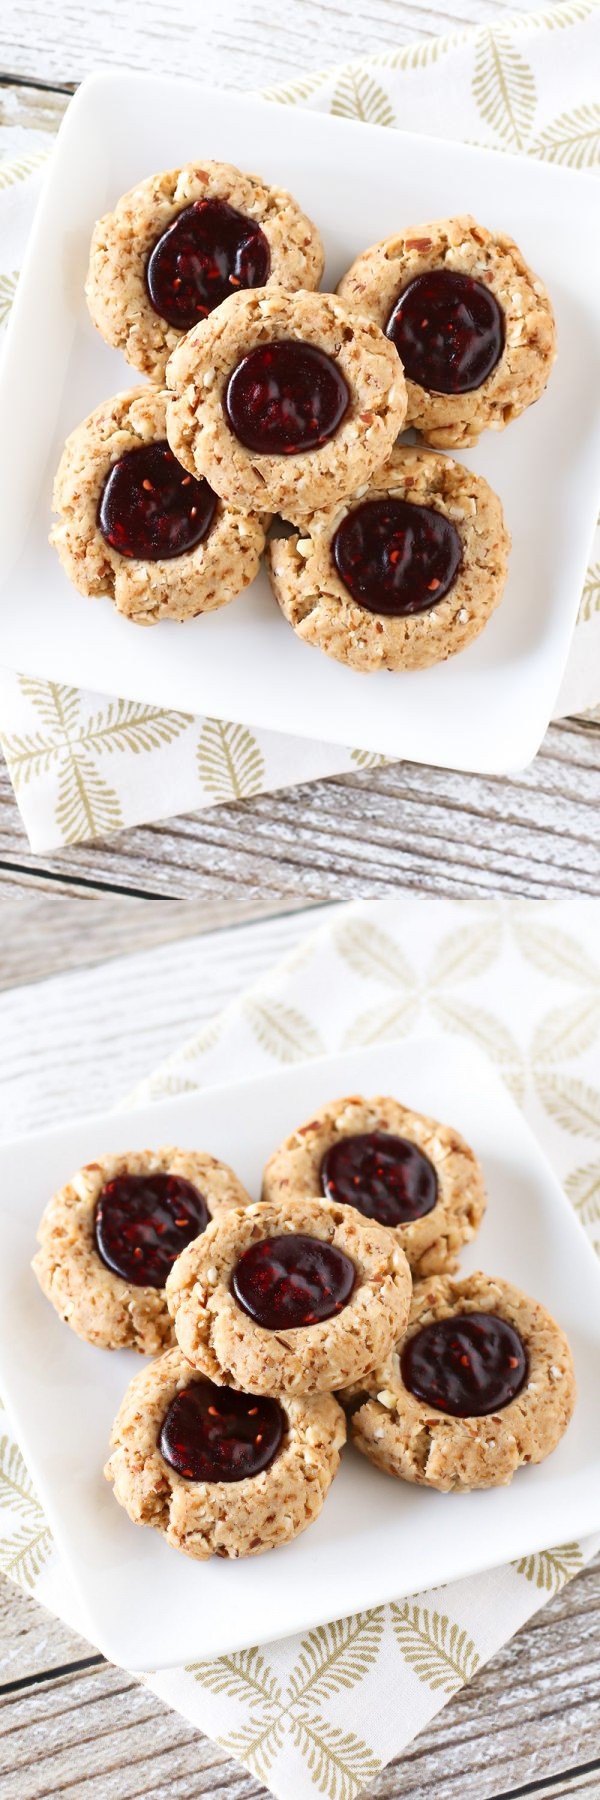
x=80, y=1042
x=33, y=1639
x=109, y=927
x=235, y=43
x=358, y=836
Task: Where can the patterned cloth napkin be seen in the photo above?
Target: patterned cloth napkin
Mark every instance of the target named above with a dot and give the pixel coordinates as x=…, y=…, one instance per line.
x=83, y=765
x=322, y=1712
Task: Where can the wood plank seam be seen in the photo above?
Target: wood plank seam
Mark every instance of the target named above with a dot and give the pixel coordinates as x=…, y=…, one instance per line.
x=34, y=81
x=85, y=1662
x=84, y=881
x=546, y=1783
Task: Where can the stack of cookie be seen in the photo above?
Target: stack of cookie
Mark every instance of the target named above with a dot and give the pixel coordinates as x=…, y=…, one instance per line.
x=276, y=1319
x=482, y=1379
x=267, y=397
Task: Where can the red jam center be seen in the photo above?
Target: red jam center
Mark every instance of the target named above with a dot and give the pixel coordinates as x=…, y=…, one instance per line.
x=285, y=397
x=150, y=508
x=143, y=1222
x=385, y=1177
x=208, y=252
x=287, y=1281
x=467, y=1365
x=215, y=1434
x=448, y=330
x=396, y=558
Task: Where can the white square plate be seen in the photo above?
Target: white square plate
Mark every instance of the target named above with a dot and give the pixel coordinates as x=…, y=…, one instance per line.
x=376, y=1539
x=487, y=709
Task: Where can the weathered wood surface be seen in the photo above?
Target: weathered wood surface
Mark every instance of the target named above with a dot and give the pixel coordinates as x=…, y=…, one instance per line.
x=40, y=941
x=91, y=1733
x=77, y=1727
x=237, y=43
x=75, y=1045
x=356, y=836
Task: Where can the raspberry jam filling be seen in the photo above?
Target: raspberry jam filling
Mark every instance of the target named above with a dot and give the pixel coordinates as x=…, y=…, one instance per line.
x=216, y=1434
x=396, y=558
x=385, y=1177
x=143, y=1222
x=208, y=252
x=449, y=331
x=150, y=508
x=467, y=1365
x=285, y=397
x=284, y=1282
